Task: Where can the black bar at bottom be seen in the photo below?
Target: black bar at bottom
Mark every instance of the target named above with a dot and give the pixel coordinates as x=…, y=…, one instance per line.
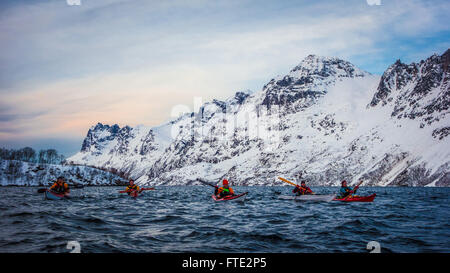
x=221, y=262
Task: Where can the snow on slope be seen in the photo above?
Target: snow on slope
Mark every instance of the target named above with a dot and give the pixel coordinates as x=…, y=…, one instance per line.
x=325, y=121
x=19, y=173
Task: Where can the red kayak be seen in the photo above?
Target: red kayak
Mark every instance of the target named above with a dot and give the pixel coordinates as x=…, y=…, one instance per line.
x=230, y=197
x=357, y=198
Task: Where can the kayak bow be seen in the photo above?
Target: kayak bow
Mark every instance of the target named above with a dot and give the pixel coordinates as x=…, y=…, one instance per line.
x=309, y=197
x=50, y=195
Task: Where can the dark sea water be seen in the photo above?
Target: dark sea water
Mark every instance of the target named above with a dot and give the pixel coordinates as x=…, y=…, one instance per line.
x=186, y=219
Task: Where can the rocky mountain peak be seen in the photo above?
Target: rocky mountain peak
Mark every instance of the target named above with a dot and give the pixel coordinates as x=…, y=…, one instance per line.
x=326, y=67
x=101, y=133
x=416, y=90
x=308, y=81
x=240, y=97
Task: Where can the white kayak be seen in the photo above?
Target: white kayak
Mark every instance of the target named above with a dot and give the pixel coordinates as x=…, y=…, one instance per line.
x=310, y=197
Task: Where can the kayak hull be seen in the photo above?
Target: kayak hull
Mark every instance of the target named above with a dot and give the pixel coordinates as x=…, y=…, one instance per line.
x=239, y=197
x=49, y=195
x=369, y=198
x=310, y=197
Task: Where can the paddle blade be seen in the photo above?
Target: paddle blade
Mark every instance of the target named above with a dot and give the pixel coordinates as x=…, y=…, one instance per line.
x=287, y=181
x=41, y=190
x=206, y=183
x=356, y=187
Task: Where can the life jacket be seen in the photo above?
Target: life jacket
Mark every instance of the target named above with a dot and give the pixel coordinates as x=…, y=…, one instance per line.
x=302, y=190
x=59, y=188
x=345, y=191
x=134, y=187
x=224, y=191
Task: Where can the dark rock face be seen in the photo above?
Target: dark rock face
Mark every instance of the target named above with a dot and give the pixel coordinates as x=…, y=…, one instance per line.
x=92, y=139
x=240, y=97
x=148, y=144
x=416, y=91
x=441, y=132
x=420, y=176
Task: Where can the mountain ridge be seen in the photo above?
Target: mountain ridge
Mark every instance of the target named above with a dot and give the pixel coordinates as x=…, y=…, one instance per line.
x=326, y=120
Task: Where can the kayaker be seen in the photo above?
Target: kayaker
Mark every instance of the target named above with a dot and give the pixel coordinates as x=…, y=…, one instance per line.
x=302, y=190
x=60, y=186
x=345, y=190
x=224, y=190
x=132, y=187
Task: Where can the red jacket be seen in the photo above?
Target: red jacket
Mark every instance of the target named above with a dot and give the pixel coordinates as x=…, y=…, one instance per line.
x=302, y=190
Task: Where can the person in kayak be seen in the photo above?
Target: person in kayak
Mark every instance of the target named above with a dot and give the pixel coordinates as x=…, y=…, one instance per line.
x=224, y=190
x=302, y=190
x=132, y=187
x=346, y=190
x=60, y=186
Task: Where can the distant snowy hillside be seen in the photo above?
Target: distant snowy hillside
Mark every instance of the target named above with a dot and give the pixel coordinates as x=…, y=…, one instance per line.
x=323, y=122
x=20, y=173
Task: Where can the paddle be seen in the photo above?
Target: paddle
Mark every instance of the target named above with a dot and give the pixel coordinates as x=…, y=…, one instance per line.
x=74, y=186
x=289, y=182
x=207, y=183
x=356, y=187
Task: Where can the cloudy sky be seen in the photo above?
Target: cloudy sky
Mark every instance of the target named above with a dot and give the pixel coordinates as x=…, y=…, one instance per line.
x=63, y=68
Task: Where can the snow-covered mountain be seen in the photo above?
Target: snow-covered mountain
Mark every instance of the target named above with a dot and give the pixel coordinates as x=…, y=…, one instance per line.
x=325, y=121
x=21, y=173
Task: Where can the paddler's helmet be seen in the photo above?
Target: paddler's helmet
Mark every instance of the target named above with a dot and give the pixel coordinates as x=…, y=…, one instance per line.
x=225, y=182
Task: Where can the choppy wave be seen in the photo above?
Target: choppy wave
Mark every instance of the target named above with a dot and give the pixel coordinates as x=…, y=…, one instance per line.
x=185, y=219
